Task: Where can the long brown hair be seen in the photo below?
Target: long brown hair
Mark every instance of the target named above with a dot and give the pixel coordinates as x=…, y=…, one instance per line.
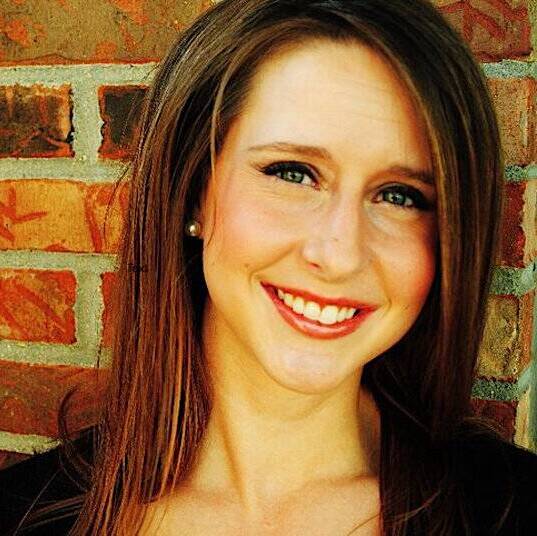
x=159, y=397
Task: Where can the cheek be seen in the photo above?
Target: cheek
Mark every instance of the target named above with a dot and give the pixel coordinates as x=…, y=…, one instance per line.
x=411, y=273
x=246, y=232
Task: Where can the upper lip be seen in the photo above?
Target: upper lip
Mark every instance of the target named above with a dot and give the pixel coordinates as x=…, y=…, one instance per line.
x=309, y=296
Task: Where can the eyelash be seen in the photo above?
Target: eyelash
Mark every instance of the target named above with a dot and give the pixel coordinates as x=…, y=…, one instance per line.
x=418, y=199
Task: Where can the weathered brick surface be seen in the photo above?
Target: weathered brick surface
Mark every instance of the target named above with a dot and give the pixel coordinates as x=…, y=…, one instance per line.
x=506, y=349
x=37, y=305
x=503, y=414
x=120, y=110
x=35, y=121
x=69, y=216
x=33, y=31
x=518, y=244
x=58, y=215
x=515, y=103
x=75, y=31
x=494, y=29
x=30, y=396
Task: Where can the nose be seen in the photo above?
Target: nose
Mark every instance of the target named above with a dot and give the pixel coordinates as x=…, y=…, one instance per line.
x=337, y=246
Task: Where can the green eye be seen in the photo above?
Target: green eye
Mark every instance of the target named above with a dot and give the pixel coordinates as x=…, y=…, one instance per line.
x=291, y=172
x=396, y=195
x=400, y=192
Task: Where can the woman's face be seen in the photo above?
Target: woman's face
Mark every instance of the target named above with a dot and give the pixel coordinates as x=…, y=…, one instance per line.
x=317, y=191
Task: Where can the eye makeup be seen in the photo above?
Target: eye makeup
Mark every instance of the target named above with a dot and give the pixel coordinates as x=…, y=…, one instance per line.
x=300, y=174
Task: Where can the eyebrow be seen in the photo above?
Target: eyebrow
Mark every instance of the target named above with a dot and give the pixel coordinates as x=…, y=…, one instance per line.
x=313, y=151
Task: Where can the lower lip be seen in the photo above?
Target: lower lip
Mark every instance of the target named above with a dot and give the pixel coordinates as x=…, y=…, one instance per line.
x=313, y=328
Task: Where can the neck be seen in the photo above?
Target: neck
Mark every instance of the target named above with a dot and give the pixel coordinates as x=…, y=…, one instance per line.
x=265, y=443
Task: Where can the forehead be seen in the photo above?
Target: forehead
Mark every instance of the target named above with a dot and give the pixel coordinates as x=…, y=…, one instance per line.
x=341, y=96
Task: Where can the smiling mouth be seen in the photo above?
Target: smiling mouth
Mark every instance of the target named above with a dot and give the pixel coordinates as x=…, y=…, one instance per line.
x=312, y=311
x=314, y=327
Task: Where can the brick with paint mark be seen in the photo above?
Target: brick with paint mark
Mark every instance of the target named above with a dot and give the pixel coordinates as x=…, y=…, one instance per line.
x=106, y=209
x=37, y=306
x=120, y=109
x=58, y=215
x=136, y=10
x=515, y=103
x=73, y=31
x=30, y=397
x=506, y=349
x=494, y=30
x=35, y=121
x=518, y=243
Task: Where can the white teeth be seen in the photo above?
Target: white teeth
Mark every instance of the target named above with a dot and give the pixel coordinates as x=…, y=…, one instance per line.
x=298, y=306
x=330, y=314
x=342, y=315
x=312, y=311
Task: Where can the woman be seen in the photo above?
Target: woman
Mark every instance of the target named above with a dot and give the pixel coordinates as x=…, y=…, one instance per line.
x=301, y=361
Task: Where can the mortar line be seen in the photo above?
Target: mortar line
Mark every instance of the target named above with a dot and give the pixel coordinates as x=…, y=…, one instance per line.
x=48, y=354
x=87, y=122
x=94, y=74
x=494, y=389
x=89, y=307
x=61, y=169
x=96, y=263
x=514, y=281
x=26, y=443
x=516, y=173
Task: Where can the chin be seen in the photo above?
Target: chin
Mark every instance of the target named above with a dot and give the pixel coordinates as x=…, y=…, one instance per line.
x=307, y=373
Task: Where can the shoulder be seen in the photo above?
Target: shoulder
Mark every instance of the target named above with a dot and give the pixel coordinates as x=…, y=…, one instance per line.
x=498, y=479
x=34, y=483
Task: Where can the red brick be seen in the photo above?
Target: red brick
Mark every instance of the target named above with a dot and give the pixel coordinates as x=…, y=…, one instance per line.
x=30, y=397
x=494, y=29
x=503, y=414
x=58, y=215
x=78, y=31
x=37, y=306
x=518, y=237
x=142, y=30
x=515, y=104
x=120, y=110
x=35, y=121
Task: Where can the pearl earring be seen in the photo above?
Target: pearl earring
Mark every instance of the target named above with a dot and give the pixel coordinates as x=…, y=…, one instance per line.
x=193, y=228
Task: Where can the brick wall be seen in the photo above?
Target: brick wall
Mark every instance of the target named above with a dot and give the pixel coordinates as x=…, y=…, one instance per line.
x=71, y=78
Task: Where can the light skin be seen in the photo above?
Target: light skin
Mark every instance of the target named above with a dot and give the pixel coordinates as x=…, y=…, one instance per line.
x=290, y=417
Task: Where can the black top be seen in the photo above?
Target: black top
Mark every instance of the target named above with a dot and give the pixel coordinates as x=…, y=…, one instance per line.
x=487, y=468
